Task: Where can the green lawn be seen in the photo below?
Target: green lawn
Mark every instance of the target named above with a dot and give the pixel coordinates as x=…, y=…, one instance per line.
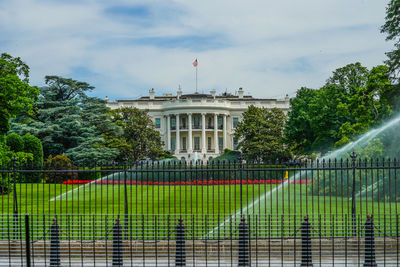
x=154, y=210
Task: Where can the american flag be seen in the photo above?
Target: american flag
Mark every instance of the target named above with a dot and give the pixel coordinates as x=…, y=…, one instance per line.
x=195, y=63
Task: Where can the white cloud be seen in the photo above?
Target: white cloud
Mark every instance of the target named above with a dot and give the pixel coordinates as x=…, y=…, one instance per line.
x=270, y=48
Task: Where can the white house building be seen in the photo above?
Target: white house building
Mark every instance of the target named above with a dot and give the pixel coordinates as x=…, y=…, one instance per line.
x=198, y=124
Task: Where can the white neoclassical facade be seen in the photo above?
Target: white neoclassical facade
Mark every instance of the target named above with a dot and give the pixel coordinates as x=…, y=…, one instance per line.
x=201, y=124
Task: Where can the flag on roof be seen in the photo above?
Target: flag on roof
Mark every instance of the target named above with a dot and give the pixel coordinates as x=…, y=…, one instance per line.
x=195, y=63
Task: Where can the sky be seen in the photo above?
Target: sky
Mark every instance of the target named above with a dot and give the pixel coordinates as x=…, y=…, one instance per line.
x=126, y=47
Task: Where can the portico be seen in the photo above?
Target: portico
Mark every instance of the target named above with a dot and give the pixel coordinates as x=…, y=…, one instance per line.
x=202, y=132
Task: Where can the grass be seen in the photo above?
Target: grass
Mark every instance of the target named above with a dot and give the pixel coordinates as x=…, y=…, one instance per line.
x=154, y=210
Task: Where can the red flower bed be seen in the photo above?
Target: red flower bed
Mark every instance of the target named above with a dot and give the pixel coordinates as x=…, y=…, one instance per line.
x=211, y=182
x=77, y=181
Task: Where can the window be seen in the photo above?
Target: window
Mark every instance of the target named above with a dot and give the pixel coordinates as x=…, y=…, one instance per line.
x=173, y=123
x=196, y=122
x=209, y=126
x=209, y=143
x=173, y=143
x=183, y=123
x=196, y=143
x=235, y=122
x=220, y=123
x=184, y=143
x=235, y=143
x=220, y=143
x=158, y=123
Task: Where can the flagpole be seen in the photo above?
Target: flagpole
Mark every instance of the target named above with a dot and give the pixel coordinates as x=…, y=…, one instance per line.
x=196, y=81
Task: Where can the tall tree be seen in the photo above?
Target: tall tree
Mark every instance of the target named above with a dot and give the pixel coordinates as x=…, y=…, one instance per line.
x=140, y=139
x=352, y=100
x=392, y=29
x=260, y=134
x=69, y=122
x=298, y=132
x=16, y=95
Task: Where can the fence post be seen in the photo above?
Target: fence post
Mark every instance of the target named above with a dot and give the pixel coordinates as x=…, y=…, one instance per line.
x=15, y=198
x=353, y=156
x=27, y=241
x=306, y=250
x=243, y=244
x=369, y=244
x=126, y=208
x=117, y=244
x=180, y=249
x=55, y=244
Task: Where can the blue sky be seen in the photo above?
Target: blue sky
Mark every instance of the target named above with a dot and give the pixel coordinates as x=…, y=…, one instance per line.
x=124, y=48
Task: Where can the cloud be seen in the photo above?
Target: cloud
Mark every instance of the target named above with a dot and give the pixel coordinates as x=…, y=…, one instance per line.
x=124, y=48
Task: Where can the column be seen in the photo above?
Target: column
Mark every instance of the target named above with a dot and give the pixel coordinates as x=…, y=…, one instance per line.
x=177, y=142
x=224, y=132
x=203, y=133
x=168, y=133
x=216, y=147
x=190, y=147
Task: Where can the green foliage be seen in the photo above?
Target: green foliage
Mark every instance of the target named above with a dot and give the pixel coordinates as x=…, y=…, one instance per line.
x=139, y=139
x=16, y=96
x=298, y=132
x=15, y=142
x=62, y=164
x=392, y=29
x=71, y=123
x=34, y=146
x=228, y=156
x=260, y=134
x=353, y=100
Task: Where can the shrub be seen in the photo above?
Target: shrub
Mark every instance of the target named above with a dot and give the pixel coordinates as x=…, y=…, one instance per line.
x=59, y=162
x=15, y=142
x=33, y=145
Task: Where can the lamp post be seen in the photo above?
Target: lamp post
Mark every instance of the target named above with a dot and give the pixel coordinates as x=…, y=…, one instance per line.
x=353, y=157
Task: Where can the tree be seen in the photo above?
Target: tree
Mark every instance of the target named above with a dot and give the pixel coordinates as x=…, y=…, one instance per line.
x=260, y=134
x=16, y=96
x=15, y=142
x=392, y=29
x=71, y=123
x=34, y=146
x=352, y=101
x=298, y=132
x=139, y=139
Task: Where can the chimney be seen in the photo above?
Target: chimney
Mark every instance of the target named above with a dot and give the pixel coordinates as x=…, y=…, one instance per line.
x=240, y=92
x=213, y=93
x=152, y=93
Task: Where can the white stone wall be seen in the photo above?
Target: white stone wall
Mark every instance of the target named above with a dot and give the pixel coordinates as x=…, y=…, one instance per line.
x=164, y=108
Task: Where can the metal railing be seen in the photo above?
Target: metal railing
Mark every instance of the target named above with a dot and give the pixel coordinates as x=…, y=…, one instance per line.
x=214, y=213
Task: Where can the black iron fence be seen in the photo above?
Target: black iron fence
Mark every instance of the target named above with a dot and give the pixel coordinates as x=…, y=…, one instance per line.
x=172, y=241
x=334, y=212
